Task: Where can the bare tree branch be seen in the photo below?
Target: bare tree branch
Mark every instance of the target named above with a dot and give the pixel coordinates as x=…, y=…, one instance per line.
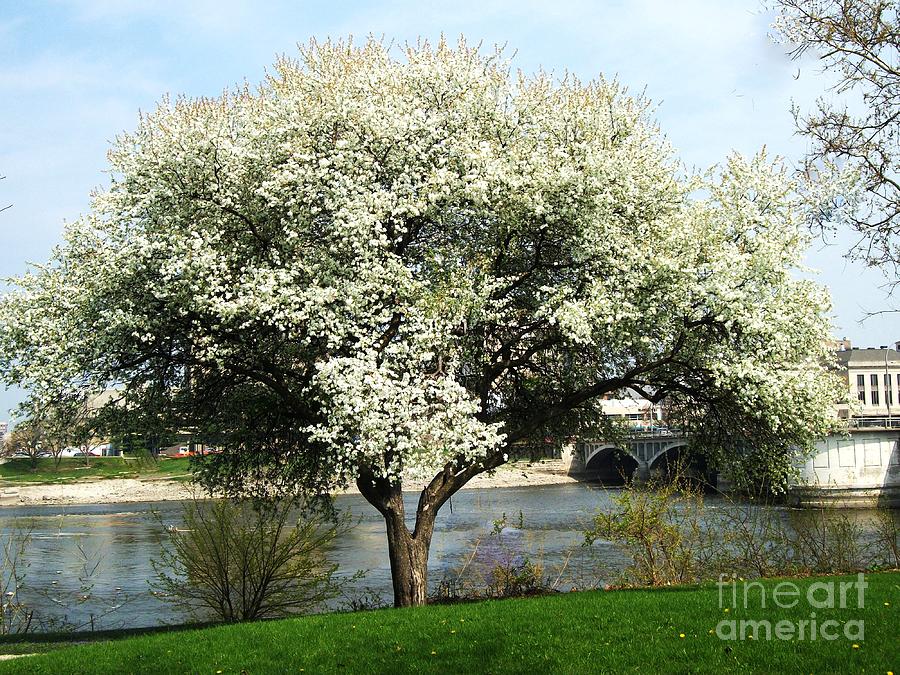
x=858, y=41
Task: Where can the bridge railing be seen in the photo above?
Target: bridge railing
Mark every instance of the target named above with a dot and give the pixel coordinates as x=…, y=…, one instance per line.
x=875, y=422
x=652, y=431
x=639, y=433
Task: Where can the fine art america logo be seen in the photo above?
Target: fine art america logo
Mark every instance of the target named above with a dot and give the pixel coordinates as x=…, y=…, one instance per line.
x=737, y=596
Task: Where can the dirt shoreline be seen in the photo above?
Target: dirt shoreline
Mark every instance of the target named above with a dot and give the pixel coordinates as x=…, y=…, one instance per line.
x=125, y=490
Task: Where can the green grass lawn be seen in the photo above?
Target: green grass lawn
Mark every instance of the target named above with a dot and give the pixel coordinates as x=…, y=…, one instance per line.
x=647, y=631
x=74, y=468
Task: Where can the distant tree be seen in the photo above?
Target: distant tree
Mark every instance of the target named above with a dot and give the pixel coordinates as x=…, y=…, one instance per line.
x=64, y=421
x=859, y=41
x=375, y=270
x=26, y=439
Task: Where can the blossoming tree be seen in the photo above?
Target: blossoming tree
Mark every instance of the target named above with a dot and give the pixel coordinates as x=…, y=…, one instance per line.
x=377, y=269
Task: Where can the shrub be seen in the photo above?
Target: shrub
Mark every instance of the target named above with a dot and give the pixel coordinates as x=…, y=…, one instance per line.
x=242, y=560
x=823, y=540
x=501, y=566
x=660, y=526
x=887, y=536
x=517, y=578
x=15, y=616
x=672, y=536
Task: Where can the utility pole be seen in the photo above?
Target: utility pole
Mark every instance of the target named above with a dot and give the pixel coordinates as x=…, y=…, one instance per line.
x=888, y=389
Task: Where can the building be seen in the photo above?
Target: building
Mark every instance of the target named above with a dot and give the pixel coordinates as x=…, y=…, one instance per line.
x=636, y=412
x=873, y=376
x=861, y=466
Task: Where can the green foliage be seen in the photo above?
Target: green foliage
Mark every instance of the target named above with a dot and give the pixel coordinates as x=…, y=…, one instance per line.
x=660, y=526
x=515, y=574
x=502, y=522
x=54, y=423
x=517, y=578
x=239, y=560
x=26, y=439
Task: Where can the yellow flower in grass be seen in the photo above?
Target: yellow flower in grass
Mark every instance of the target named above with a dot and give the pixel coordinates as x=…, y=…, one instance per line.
x=855, y=646
x=681, y=635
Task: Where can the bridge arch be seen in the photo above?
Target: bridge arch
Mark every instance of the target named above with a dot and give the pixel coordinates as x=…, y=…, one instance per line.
x=609, y=463
x=675, y=458
x=667, y=453
x=641, y=457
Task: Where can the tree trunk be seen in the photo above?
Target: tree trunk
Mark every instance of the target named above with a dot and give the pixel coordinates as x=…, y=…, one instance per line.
x=409, y=562
x=408, y=551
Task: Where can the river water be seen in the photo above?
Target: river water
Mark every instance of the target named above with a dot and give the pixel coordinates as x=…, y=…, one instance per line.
x=85, y=560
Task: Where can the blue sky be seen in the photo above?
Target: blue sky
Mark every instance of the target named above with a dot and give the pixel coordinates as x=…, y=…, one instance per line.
x=75, y=73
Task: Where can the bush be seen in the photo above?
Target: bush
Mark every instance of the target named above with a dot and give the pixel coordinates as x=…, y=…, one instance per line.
x=243, y=560
x=514, y=574
x=661, y=527
x=887, y=536
x=517, y=578
x=15, y=616
x=672, y=536
x=763, y=541
x=756, y=540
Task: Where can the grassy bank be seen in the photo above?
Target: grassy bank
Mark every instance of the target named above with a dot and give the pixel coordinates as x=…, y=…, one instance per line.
x=20, y=471
x=663, y=631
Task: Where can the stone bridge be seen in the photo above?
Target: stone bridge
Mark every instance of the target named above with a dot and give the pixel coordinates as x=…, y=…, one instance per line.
x=858, y=467
x=637, y=456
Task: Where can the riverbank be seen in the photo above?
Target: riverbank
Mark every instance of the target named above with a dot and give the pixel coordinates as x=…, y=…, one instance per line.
x=155, y=489
x=671, y=630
